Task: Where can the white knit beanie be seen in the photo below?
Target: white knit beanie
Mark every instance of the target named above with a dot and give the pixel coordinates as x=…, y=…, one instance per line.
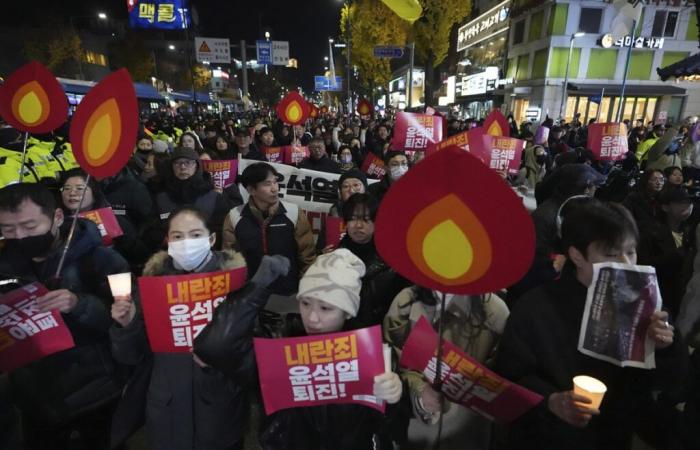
x=335, y=278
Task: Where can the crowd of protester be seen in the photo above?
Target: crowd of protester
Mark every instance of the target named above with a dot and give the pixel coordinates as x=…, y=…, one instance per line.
x=175, y=220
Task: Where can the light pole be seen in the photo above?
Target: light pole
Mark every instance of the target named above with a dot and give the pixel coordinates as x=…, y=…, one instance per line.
x=566, y=74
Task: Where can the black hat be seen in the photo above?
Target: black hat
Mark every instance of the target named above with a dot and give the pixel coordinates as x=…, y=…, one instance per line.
x=241, y=132
x=184, y=152
x=674, y=194
x=353, y=173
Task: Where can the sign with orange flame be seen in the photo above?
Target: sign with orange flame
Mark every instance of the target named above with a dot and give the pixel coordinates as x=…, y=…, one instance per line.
x=32, y=100
x=496, y=124
x=105, y=126
x=364, y=107
x=314, y=111
x=293, y=109
x=450, y=236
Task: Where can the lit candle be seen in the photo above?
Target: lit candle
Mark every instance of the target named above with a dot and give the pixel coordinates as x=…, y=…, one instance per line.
x=590, y=388
x=120, y=284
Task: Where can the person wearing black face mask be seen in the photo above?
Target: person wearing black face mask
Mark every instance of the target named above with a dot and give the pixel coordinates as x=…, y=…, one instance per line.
x=74, y=392
x=534, y=167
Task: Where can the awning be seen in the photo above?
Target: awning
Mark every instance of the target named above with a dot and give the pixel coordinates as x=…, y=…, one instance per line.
x=147, y=92
x=181, y=96
x=75, y=86
x=647, y=90
x=683, y=68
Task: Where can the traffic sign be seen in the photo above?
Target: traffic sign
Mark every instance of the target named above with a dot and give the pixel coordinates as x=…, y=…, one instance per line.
x=388, y=51
x=322, y=83
x=264, y=50
x=280, y=53
x=212, y=50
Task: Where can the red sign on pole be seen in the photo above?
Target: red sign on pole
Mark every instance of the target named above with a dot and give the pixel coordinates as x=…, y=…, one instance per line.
x=608, y=141
x=177, y=308
x=106, y=222
x=373, y=166
x=274, y=154
x=320, y=369
x=223, y=172
x=498, y=152
x=465, y=380
x=335, y=230
x=294, y=154
x=416, y=131
x=26, y=334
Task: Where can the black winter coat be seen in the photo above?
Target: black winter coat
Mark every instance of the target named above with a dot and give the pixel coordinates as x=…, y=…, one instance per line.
x=64, y=385
x=325, y=164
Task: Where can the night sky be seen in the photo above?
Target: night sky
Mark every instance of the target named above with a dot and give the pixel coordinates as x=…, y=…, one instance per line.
x=306, y=24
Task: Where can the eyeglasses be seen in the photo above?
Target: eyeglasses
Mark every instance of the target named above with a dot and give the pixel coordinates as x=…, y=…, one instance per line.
x=184, y=163
x=78, y=189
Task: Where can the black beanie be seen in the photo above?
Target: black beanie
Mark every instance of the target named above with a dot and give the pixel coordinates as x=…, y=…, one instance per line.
x=353, y=173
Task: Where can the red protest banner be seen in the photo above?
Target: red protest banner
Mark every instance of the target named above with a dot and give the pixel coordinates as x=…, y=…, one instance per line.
x=320, y=369
x=26, y=334
x=416, y=131
x=335, y=230
x=273, y=154
x=608, y=141
x=223, y=172
x=465, y=380
x=498, y=152
x=460, y=140
x=176, y=308
x=294, y=154
x=373, y=166
x=106, y=222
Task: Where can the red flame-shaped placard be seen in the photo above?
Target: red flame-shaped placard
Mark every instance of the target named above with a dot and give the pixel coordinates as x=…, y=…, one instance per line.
x=314, y=111
x=32, y=100
x=324, y=109
x=364, y=107
x=452, y=235
x=293, y=109
x=496, y=124
x=105, y=126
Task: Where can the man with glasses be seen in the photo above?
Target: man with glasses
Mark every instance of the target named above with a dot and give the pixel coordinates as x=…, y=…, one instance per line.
x=319, y=159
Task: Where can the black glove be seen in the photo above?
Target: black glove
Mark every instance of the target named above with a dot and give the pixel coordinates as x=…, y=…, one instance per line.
x=270, y=268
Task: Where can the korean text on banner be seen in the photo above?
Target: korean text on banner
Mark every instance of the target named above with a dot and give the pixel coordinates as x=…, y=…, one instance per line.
x=373, y=166
x=608, y=141
x=274, y=154
x=620, y=302
x=223, y=172
x=26, y=334
x=498, y=152
x=177, y=308
x=465, y=380
x=320, y=369
x=460, y=140
x=106, y=222
x=163, y=14
x=294, y=154
x=416, y=131
x=335, y=230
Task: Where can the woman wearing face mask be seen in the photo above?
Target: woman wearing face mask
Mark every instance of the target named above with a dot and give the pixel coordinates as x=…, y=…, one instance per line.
x=380, y=283
x=534, y=167
x=329, y=295
x=396, y=164
x=144, y=148
x=345, y=159
x=475, y=325
x=188, y=405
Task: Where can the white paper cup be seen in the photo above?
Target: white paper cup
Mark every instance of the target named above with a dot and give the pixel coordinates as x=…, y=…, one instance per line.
x=120, y=284
x=590, y=388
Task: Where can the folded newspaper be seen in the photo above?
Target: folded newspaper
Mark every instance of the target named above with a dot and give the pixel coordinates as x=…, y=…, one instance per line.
x=619, y=305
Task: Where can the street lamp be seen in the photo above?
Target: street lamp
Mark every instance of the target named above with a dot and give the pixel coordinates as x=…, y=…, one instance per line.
x=566, y=74
x=102, y=16
x=171, y=47
x=325, y=58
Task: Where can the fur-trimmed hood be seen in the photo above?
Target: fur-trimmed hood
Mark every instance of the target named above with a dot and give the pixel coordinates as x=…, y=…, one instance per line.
x=162, y=264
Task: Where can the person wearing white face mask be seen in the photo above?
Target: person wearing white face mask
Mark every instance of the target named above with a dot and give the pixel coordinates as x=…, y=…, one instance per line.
x=396, y=164
x=188, y=404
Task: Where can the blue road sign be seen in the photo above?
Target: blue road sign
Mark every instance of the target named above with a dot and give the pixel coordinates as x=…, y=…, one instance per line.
x=594, y=98
x=322, y=83
x=387, y=51
x=264, y=49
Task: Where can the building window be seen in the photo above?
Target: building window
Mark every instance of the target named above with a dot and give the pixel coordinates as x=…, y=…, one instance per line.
x=519, y=32
x=95, y=58
x=589, y=22
x=665, y=24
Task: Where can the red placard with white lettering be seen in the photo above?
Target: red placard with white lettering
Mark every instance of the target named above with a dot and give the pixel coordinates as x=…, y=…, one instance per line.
x=460, y=140
x=294, y=154
x=416, y=131
x=320, y=369
x=106, y=222
x=176, y=308
x=465, y=380
x=274, y=154
x=498, y=152
x=335, y=230
x=223, y=172
x=608, y=141
x=373, y=166
x=26, y=334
